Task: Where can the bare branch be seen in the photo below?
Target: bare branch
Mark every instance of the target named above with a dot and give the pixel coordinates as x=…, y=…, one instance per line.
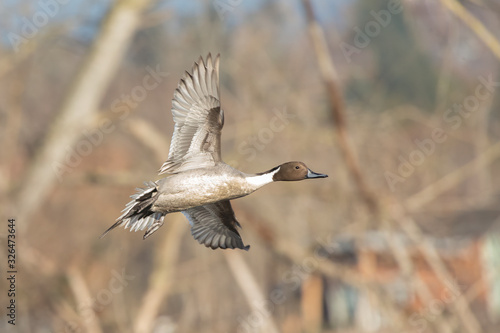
x=80, y=104
x=248, y=284
x=474, y=24
x=82, y=295
x=329, y=75
x=407, y=224
x=166, y=255
x=431, y=192
x=161, y=278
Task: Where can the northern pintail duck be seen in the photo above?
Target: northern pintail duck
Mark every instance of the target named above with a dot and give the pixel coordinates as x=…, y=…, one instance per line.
x=199, y=184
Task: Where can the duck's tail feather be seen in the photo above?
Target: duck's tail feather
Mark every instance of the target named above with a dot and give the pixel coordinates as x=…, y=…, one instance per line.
x=137, y=214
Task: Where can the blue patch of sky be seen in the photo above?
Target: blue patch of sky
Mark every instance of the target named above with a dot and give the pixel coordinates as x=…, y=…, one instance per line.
x=85, y=16
x=234, y=12
x=28, y=18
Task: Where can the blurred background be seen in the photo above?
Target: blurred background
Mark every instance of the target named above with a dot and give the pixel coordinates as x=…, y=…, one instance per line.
x=397, y=101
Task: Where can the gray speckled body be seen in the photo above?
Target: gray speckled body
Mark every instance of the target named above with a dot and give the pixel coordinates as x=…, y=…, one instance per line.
x=198, y=187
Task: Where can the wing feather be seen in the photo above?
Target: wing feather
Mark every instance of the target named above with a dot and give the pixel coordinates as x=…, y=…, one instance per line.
x=198, y=119
x=214, y=225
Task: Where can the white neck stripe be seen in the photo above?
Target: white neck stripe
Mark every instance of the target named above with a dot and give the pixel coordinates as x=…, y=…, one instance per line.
x=261, y=180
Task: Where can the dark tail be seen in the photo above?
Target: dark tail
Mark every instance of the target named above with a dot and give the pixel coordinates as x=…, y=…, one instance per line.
x=137, y=213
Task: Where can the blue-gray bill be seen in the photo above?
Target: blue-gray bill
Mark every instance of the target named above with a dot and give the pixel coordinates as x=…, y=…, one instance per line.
x=312, y=174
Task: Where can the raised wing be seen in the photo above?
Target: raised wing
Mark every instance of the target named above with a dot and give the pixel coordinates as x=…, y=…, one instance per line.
x=198, y=119
x=214, y=226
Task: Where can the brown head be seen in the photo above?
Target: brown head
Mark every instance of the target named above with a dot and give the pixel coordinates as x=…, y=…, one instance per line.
x=292, y=171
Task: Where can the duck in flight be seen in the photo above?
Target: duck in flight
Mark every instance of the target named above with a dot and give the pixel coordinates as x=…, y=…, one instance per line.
x=199, y=184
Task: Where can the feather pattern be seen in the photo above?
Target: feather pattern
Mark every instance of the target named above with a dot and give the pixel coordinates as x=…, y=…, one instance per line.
x=198, y=119
x=137, y=214
x=214, y=225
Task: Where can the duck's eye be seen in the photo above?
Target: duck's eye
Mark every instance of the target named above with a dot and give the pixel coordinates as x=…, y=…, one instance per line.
x=297, y=167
